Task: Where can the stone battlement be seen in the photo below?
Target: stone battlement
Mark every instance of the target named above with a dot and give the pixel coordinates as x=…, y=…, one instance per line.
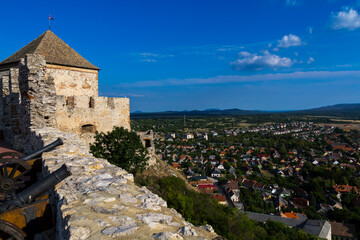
x=100, y=200
x=31, y=97
x=84, y=114
x=48, y=84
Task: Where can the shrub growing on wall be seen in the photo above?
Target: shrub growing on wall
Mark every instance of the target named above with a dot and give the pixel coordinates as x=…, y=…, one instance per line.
x=122, y=148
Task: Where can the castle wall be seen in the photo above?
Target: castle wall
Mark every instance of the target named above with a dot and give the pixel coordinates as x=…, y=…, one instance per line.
x=37, y=90
x=84, y=115
x=31, y=99
x=101, y=201
x=27, y=100
x=147, y=139
x=71, y=81
x=9, y=104
x=4, y=91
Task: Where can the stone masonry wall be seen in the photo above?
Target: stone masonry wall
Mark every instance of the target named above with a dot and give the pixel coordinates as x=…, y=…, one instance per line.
x=147, y=139
x=38, y=96
x=10, y=102
x=70, y=81
x=100, y=200
x=27, y=100
x=30, y=99
x=84, y=115
x=4, y=91
x=29, y=103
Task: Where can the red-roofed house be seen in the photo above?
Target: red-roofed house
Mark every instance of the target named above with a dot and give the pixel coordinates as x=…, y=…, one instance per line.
x=293, y=215
x=232, y=185
x=207, y=188
x=175, y=165
x=344, y=188
x=220, y=198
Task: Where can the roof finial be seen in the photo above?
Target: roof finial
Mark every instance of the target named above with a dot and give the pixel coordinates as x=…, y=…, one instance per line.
x=50, y=18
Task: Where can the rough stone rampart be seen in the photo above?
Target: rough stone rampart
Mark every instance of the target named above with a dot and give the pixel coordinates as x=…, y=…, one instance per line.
x=100, y=200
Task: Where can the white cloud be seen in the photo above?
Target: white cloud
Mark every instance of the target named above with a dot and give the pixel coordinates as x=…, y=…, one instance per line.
x=311, y=59
x=151, y=57
x=149, y=54
x=244, y=79
x=347, y=19
x=289, y=41
x=249, y=61
x=244, y=54
x=310, y=30
x=149, y=60
x=292, y=2
x=226, y=48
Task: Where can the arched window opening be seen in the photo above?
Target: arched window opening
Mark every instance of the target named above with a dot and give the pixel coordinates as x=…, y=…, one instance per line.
x=88, y=128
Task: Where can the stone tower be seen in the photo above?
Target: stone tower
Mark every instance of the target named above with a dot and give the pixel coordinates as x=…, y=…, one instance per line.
x=47, y=83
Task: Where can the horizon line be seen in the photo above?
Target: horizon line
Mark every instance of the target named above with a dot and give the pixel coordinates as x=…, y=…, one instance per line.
x=216, y=109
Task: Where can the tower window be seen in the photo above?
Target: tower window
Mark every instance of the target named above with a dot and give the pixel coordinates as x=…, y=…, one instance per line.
x=88, y=128
x=147, y=143
x=91, y=102
x=70, y=101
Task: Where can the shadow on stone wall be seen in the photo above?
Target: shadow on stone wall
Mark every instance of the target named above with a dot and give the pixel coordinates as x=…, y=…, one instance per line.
x=25, y=92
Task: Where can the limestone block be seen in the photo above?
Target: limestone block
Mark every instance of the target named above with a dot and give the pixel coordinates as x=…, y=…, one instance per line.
x=104, y=176
x=128, y=177
x=187, y=231
x=121, y=220
x=208, y=228
x=127, y=198
x=102, y=222
x=153, y=219
x=90, y=201
x=167, y=236
x=151, y=201
x=105, y=211
x=123, y=230
x=81, y=233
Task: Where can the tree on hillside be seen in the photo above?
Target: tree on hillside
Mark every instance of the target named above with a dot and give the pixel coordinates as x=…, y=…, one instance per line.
x=122, y=148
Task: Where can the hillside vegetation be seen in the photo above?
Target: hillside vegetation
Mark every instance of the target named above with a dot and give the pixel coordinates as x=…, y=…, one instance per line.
x=200, y=209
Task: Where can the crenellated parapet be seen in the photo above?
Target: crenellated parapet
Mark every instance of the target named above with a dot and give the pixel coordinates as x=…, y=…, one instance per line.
x=84, y=114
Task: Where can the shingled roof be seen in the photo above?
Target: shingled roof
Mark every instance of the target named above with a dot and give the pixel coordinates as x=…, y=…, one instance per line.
x=55, y=50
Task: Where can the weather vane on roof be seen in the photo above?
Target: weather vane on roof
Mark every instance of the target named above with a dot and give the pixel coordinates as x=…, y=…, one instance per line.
x=50, y=18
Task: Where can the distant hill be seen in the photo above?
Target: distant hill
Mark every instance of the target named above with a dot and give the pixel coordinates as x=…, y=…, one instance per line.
x=339, y=110
x=197, y=113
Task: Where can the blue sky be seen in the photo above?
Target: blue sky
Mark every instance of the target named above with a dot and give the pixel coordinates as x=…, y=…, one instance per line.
x=199, y=54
